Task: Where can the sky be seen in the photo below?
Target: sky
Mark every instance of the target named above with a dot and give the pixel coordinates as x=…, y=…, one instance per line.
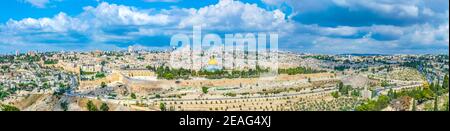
x=304, y=26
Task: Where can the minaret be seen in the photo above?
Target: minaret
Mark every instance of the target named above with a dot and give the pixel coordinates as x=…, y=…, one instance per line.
x=130, y=49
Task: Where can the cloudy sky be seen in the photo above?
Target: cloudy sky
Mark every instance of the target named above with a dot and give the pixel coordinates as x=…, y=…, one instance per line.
x=310, y=26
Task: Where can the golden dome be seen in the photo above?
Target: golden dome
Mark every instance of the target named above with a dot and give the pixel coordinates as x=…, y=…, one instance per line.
x=212, y=61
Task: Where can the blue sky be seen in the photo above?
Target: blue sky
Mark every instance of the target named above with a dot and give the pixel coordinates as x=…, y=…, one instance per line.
x=310, y=26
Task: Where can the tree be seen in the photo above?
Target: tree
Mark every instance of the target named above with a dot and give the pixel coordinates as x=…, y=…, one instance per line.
x=414, y=108
x=424, y=95
x=100, y=75
x=384, y=84
x=344, y=89
x=133, y=96
x=382, y=102
x=428, y=107
x=103, y=63
x=64, y=105
x=335, y=94
x=426, y=85
x=61, y=89
x=103, y=85
x=436, y=88
x=91, y=107
x=432, y=87
x=168, y=76
x=369, y=106
x=104, y=107
x=356, y=93
x=445, y=82
x=391, y=94
x=162, y=106
x=446, y=106
x=340, y=85
x=3, y=94
x=435, y=107
x=8, y=108
x=374, y=105
x=205, y=90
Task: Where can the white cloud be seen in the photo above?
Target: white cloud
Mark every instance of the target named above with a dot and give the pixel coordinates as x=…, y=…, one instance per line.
x=394, y=32
x=168, y=1
x=340, y=31
x=274, y=2
x=59, y=23
x=299, y=6
x=144, y=32
x=112, y=14
x=235, y=15
x=38, y=3
x=428, y=11
x=98, y=24
x=416, y=39
x=427, y=34
x=92, y=18
x=400, y=8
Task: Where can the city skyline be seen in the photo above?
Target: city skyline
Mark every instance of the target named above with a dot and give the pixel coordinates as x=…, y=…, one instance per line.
x=322, y=27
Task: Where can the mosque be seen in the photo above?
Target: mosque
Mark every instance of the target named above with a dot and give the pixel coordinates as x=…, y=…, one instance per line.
x=213, y=65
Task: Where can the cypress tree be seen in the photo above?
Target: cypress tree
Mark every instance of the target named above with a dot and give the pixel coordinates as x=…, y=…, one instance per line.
x=435, y=104
x=446, y=106
x=445, y=83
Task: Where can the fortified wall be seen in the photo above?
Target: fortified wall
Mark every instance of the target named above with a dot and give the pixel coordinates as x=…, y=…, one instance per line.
x=126, y=77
